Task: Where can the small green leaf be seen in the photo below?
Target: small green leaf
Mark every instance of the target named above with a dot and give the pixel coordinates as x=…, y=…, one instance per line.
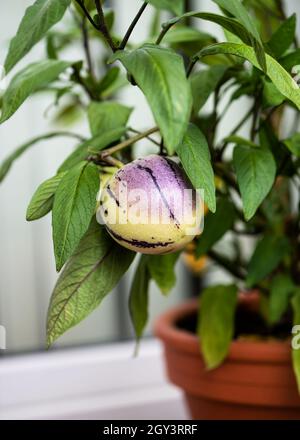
x=256, y=171
x=195, y=158
x=293, y=144
x=42, y=200
x=185, y=34
x=281, y=289
x=162, y=270
x=271, y=96
x=204, y=83
x=278, y=75
x=216, y=323
x=160, y=74
x=175, y=6
x=296, y=339
x=267, y=255
x=106, y=116
x=138, y=299
x=28, y=81
x=215, y=226
x=92, y=272
x=38, y=19
x=74, y=206
x=97, y=143
x=283, y=38
x=291, y=60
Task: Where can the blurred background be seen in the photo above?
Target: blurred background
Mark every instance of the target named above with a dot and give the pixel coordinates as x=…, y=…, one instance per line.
x=27, y=269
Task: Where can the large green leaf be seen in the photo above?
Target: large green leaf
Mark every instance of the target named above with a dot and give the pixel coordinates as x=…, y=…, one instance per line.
x=73, y=208
x=175, y=6
x=267, y=255
x=106, y=116
x=204, y=83
x=239, y=11
x=215, y=226
x=42, y=200
x=162, y=270
x=186, y=34
x=281, y=289
x=283, y=38
x=216, y=323
x=296, y=338
x=97, y=143
x=256, y=170
x=38, y=19
x=28, y=81
x=195, y=158
x=278, y=75
x=161, y=76
x=92, y=272
x=138, y=299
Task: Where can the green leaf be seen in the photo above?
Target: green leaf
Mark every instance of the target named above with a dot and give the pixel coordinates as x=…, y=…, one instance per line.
x=256, y=172
x=106, y=116
x=296, y=340
x=160, y=74
x=204, y=83
x=42, y=200
x=216, y=323
x=271, y=96
x=92, y=272
x=138, y=299
x=74, y=206
x=195, y=158
x=278, y=75
x=28, y=81
x=238, y=10
x=97, y=143
x=215, y=226
x=293, y=144
x=185, y=34
x=175, y=6
x=267, y=255
x=283, y=38
x=38, y=19
x=291, y=60
x=281, y=289
x=162, y=270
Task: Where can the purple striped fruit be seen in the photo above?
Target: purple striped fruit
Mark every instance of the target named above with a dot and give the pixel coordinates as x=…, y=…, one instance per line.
x=149, y=206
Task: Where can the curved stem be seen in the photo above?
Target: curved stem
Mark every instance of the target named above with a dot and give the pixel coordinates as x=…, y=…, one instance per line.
x=103, y=28
x=132, y=26
x=163, y=32
x=87, y=14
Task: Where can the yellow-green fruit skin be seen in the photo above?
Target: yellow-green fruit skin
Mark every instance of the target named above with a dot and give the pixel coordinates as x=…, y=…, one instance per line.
x=138, y=206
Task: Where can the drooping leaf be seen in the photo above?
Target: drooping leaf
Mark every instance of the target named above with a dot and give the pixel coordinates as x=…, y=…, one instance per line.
x=73, y=208
x=92, y=272
x=186, y=34
x=42, y=200
x=160, y=74
x=38, y=19
x=268, y=254
x=106, y=116
x=162, y=270
x=138, y=299
x=28, y=81
x=175, y=6
x=215, y=226
x=278, y=75
x=204, y=83
x=195, y=158
x=296, y=338
x=97, y=143
x=283, y=38
x=293, y=144
x=216, y=323
x=256, y=170
x=239, y=11
x=281, y=289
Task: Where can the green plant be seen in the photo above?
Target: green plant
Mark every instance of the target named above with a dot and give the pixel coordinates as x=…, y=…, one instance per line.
x=259, y=174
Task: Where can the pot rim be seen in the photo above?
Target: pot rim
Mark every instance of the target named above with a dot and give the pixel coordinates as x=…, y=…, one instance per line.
x=240, y=350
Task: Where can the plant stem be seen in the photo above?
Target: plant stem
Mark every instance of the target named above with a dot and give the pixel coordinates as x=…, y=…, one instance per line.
x=86, y=45
x=163, y=32
x=103, y=28
x=227, y=265
x=190, y=67
x=127, y=143
x=133, y=130
x=132, y=26
x=87, y=14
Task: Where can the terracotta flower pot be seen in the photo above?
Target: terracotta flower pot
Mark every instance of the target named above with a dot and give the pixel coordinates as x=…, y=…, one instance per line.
x=255, y=382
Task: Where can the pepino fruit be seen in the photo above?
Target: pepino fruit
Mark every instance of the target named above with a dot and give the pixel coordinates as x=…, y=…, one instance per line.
x=149, y=206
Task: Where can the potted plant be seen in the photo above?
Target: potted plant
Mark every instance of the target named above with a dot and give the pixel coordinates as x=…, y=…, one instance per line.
x=244, y=367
